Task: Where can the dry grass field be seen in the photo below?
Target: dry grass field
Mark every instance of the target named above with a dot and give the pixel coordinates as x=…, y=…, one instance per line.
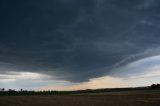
x=81, y=100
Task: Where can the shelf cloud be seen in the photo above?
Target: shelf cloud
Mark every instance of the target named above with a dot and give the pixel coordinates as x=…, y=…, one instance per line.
x=78, y=40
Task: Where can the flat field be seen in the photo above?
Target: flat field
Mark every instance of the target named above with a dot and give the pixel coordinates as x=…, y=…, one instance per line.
x=119, y=99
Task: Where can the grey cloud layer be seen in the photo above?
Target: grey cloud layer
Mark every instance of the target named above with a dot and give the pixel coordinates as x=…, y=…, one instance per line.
x=75, y=40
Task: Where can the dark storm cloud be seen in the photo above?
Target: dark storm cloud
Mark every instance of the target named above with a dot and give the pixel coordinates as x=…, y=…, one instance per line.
x=75, y=40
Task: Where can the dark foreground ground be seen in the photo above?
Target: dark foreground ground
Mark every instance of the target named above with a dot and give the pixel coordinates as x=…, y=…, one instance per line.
x=81, y=100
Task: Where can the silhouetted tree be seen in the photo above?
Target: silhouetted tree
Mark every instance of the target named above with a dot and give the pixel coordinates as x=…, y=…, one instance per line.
x=158, y=85
x=155, y=86
x=3, y=89
x=21, y=90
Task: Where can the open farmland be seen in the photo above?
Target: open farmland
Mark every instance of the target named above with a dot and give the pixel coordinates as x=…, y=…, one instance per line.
x=106, y=99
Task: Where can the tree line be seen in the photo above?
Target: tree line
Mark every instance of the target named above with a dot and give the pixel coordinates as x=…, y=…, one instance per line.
x=155, y=86
x=4, y=92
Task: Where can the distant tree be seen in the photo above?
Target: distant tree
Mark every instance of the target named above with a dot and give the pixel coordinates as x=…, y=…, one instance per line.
x=21, y=90
x=155, y=86
x=158, y=85
x=3, y=89
x=9, y=90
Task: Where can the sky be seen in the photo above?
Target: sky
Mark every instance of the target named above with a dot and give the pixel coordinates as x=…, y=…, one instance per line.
x=79, y=44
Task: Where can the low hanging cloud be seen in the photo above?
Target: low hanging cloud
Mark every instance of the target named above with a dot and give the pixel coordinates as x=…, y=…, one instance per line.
x=76, y=40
